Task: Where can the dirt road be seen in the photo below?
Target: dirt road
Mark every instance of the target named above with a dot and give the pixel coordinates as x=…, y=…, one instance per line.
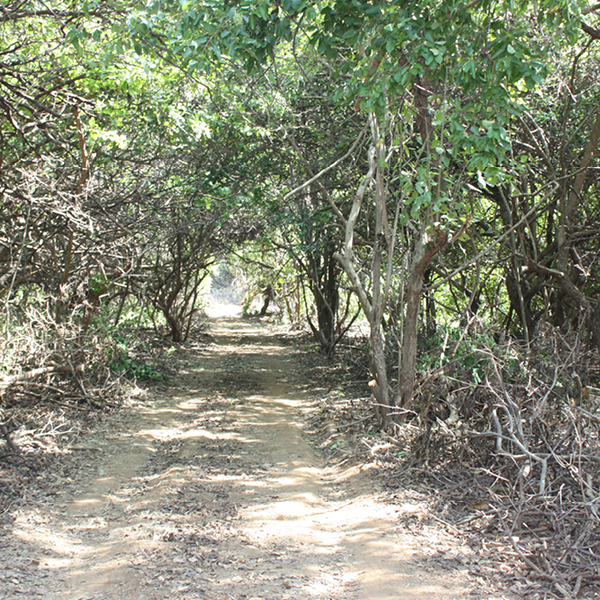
x=209, y=490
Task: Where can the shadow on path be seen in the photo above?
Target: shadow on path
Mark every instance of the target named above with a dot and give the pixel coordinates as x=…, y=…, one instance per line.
x=210, y=491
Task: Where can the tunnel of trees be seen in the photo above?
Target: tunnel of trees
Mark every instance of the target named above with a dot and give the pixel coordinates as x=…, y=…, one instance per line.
x=427, y=169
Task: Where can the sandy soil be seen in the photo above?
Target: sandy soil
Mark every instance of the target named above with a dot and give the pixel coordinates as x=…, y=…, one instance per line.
x=209, y=489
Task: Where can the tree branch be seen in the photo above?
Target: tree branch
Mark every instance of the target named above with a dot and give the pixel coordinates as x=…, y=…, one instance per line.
x=593, y=33
x=331, y=166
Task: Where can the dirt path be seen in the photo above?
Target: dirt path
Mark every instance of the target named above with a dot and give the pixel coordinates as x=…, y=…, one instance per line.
x=210, y=491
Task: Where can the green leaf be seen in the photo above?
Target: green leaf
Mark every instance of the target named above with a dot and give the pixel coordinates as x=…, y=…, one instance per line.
x=263, y=10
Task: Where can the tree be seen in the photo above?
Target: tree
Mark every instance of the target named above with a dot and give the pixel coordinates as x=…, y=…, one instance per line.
x=316, y=128
x=456, y=71
x=429, y=100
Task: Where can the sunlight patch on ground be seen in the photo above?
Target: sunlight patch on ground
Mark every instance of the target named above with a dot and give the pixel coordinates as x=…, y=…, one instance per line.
x=192, y=404
x=165, y=434
x=162, y=435
x=56, y=563
x=223, y=477
x=269, y=401
x=357, y=513
x=51, y=540
x=288, y=509
x=328, y=584
x=88, y=501
x=286, y=480
x=218, y=310
x=211, y=435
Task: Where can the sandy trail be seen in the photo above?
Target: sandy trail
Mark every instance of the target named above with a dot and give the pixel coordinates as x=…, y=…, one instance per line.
x=210, y=491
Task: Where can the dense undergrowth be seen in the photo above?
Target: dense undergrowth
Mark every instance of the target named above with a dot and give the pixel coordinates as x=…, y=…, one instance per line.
x=506, y=441
x=49, y=366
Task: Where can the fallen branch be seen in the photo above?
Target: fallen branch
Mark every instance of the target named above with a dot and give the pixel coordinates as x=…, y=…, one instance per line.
x=34, y=373
x=28, y=375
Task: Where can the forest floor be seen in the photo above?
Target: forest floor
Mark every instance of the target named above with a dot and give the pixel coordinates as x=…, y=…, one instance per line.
x=211, y=486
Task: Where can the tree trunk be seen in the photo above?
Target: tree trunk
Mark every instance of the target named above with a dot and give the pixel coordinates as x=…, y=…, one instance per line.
x=425, y=249
x=372, y=308
x=324, y=288
x=568, y=206
x=382, y=243
x=268, y=294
